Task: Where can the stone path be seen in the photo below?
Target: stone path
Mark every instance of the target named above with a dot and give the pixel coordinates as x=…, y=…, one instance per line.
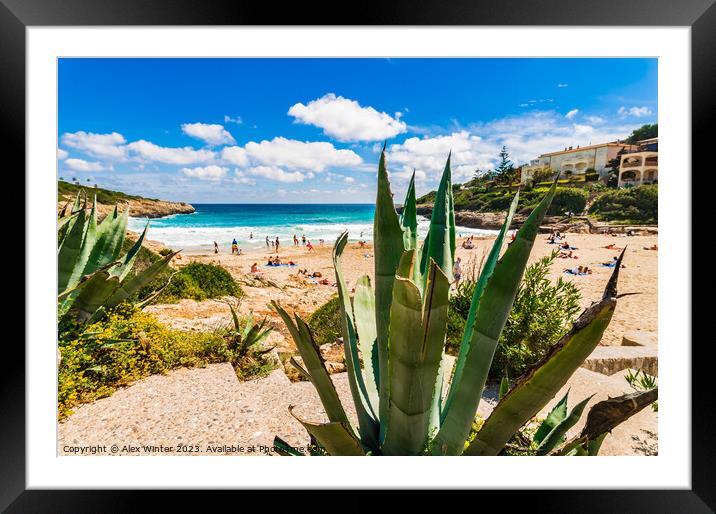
x=210, y=407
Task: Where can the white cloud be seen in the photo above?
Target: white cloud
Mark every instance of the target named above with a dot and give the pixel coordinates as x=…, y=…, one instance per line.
x=277, y=174
x=596, y=120
x=562, y=85
x=349, y=180
x=347, y=120
x=290, y=153
x=212, y=134
x=241, y=178
x=106, y=146
x=229, y=119
x=235, y=155
x=186, y=155
x=211, y=172
x=62, y=154
x=636, y=112
x=82, y=165
x=571, y=114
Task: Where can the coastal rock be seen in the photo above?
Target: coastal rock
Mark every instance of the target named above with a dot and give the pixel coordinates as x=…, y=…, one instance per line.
x=141, y=208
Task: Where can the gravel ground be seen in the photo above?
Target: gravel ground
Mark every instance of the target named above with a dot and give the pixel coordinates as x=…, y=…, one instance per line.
x=201, y=407
x=207, y=411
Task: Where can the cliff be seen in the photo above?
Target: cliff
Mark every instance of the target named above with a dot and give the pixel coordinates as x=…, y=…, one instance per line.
x=139, y=206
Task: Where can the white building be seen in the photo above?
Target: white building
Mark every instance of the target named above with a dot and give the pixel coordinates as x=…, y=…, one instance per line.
x=576, y=161
x=641, y=165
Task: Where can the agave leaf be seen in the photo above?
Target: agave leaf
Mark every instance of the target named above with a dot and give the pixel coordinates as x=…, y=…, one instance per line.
x=492, y=311
x=415, y=351
x=544, y=380
x=335, y=437
x=69, y=252
x=128, y=261
x=93, y=295
x=388, y=244
x=154, y=294
x=283, y=448
x=134, y=284
x=554, y=418
x=438, y=245
x=409, y=217
x=504, y=387
x=606, y=415
x=316, y=367
x=301, y=371
x=557, y=433
x=436, y=408
x=64, y=220
x=110, y=237
x=365, y=410
x=364, y=312
x=485, y=274
x=594, y=445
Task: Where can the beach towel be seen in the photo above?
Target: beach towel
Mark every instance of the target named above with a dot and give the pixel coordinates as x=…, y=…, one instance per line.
x=611, y=265
x=571, y=272
x=277, y=265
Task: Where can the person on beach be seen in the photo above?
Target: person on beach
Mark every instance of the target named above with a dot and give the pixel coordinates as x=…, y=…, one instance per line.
x=251, y=235
x=303, y=238
x=457, y=271
x=234, y=247
x=267, y=241
x=216, y=247
x=277, y=243
x=295, y=240
x=254, y=268
x=309, y=246
x=272, y=243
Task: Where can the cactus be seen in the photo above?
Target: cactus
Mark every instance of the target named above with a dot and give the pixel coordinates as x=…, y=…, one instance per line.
x=91, y=275
x=408, y=401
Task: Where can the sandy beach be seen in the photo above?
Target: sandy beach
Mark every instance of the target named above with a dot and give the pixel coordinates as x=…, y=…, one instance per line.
x=635, y=313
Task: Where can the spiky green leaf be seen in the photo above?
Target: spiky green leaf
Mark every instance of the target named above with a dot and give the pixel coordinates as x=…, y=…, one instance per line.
x=388, y=243
x=492, y=311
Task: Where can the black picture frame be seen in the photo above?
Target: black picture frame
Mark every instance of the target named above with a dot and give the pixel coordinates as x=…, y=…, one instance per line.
x=700, y=15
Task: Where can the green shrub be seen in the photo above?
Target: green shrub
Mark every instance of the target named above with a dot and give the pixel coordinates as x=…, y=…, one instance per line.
x=325, y=322
x=165, y=251
x=130, y=344
x=195, y=281
x=541, y=314
x=127, y=345
x=637, y=204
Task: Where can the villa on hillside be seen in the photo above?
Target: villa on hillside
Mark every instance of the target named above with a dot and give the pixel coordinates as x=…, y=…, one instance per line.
x=641, y=164
x=576, y=161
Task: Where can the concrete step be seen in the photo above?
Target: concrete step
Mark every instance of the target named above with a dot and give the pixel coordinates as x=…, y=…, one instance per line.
x=609, y=360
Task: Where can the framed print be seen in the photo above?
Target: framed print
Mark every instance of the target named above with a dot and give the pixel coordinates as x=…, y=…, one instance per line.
x=419, y=232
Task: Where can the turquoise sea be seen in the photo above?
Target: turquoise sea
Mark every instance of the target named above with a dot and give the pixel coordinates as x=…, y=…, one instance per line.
x=223, y=222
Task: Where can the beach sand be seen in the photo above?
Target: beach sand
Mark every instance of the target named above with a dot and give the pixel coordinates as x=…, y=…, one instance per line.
x=635, y=313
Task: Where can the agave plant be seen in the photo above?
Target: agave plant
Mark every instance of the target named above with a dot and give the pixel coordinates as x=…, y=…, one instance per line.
x=92, y=276
x=409, y=399
x=243, y=341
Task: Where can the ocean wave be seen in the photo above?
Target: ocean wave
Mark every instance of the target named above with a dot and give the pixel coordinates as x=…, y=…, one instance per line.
x=186, y=236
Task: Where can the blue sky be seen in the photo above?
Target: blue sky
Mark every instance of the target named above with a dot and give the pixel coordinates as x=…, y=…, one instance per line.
x=310, y=130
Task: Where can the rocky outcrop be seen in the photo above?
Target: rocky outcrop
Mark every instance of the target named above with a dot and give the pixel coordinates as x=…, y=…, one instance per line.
x=580, y=225
x=141, y=207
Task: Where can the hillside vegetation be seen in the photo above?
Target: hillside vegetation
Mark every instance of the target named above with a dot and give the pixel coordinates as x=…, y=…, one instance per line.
x=637, y=205
x=67, y=190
